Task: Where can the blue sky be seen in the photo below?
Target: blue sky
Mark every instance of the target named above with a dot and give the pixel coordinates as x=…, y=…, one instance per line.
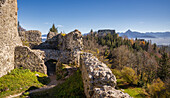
x=121, y=15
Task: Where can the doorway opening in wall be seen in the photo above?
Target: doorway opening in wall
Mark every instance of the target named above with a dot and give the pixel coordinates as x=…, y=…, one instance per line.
x=51, y=67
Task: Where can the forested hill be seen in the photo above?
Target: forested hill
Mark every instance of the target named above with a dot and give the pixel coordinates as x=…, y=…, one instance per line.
x=137, y=64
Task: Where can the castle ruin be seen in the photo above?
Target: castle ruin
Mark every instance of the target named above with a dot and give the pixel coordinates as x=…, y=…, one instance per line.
x=98, y=79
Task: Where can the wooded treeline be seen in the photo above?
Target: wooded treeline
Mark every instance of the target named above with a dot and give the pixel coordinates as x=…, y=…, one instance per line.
x=135, y=61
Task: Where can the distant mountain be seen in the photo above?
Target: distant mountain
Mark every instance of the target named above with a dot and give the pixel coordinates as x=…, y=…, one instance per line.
x=134, y=34
x=44, y=35
x=158, y=34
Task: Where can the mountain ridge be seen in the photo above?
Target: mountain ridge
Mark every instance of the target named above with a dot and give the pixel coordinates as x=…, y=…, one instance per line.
x=136, y=34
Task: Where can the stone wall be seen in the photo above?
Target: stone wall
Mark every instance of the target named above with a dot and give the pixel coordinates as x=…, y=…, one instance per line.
x=65, y=57
x=9, y=38
x=98, y=80
x=30, y=59
x=30, y=38
x=63, y=47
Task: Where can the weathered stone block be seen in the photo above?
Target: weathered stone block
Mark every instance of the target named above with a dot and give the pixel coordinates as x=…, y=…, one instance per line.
x=30, y=38
x=30, y=59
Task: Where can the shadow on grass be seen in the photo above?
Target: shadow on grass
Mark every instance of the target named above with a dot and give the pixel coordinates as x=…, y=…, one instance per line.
x=141, y=96
x=32, y=88
x=44, y=80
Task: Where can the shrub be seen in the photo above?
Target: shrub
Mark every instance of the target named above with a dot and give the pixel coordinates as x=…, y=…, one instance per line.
x=129, y=75
x=63, y=34
x=117, y=73
x=156, y=86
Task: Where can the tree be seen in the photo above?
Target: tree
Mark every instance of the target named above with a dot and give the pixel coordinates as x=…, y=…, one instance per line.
x=91, y=31
x=123, y=57
x=154, y=46
x=109, y=43
x=164, y=67
x=53, y=29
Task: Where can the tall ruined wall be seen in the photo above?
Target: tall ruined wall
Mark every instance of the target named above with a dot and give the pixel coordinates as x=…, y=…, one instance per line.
x=98, y=80
x=30, y=38
x=63, y=47
x=64, y=42
x=9, y=38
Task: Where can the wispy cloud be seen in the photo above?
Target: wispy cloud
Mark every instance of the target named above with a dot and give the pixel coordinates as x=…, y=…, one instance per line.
x=59, y=26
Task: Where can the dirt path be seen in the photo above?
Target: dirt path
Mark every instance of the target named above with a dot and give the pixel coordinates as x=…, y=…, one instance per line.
x=52, y=84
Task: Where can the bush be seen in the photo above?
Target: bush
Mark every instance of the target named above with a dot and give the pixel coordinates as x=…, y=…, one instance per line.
x=156, y=86
x=129, y=75
x=117, y=73
x=63, y=34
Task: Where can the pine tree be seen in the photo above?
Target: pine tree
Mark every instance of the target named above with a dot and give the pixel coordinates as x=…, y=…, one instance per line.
x=91, y=31
x=164, y=67
x=53, y=29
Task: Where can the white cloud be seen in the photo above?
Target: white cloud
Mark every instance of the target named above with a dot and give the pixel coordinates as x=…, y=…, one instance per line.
x=59, y=26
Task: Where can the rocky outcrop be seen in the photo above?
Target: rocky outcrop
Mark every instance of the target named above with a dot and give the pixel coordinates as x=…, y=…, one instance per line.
x=30, y=59
x=30, y=38
x=9, y=38
x=51, y=35
x=98, y=80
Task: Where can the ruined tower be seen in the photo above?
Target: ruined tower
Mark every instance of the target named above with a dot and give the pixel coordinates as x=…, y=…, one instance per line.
x=9, y=38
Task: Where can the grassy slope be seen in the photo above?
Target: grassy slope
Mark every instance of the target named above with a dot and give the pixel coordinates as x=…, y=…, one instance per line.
x=20, y=80
x=72, y=87
x=135, y=92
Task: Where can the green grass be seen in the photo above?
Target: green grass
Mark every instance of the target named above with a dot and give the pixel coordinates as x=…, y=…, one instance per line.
x=135, y=92
x=71, y=88
x=20, y=80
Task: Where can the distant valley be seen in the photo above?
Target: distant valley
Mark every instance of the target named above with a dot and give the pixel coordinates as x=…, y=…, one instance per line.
x=160, y=38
